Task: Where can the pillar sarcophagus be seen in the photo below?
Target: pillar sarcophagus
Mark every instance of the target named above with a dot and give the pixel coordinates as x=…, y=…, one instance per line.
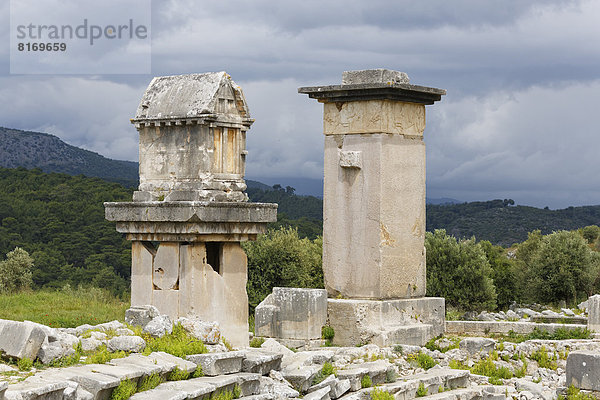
x=190, y=212
x=374, y=208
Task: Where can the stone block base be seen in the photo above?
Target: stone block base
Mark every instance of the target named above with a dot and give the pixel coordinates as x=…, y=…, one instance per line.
x=386, y=322
x=583, y=370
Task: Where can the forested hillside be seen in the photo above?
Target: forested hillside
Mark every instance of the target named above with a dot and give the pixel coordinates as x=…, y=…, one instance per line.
x=59, y=220
x=50, y=154
x=504, y=224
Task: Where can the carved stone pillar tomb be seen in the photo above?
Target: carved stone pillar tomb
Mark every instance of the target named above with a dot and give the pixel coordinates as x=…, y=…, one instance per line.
x=190, y=213
x=374, y=208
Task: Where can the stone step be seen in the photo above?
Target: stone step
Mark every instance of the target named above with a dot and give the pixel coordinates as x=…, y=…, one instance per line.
x=406, y=387
x=214, y=364
x=203, y=387
x=36, y=389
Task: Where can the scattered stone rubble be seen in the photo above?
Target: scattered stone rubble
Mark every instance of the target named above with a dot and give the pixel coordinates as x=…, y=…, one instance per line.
x=529, y=314
x=275, y=372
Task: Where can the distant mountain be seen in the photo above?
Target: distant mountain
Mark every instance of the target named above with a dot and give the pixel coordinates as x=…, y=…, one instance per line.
x=303, y=186
x=40, y=150
x=444, y=201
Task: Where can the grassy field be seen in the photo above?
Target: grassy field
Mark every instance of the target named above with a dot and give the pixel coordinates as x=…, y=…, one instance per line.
x=66, y=308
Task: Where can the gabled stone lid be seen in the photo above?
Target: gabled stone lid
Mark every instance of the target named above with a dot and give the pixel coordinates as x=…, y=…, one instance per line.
x=192, y=96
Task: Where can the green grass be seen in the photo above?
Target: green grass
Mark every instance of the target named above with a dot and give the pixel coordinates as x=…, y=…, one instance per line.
x=149, y=382
x=543, y=360
x=25, y=364
x=559, y=334
x=66, y=308
x=179, y=343
x=257, y=342
x=574, y=394
x=178, y=375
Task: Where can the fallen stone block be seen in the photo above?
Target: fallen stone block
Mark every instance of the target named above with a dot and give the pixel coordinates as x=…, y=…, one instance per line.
x=262, y=396
x=160, y=393
x=353, y=375
x=292, y=313
x=275, y=388
x=143, y=363
x=193, y=388
x=36, y=389
x=328, y=382
x=321, y=394
x=477, y=344
x=594, y=313
x=20, y=339
x=3, y=386
x=141, y=315
x=249, y=383
x=342, y=386
x=214, y=364
x=162, y=357
x=301, y=377
x=302, y=358
x=87, y=376
x=583, y=369
x=275, y=347
x=90, y=344
x=261, y=362
x=377, y=370
x=221, y=383
x=53, y=351
x=132, y=344
x=159, y=326
x=208, y=332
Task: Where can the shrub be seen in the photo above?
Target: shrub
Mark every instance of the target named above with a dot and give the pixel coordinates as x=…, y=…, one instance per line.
x=149, y=382
x=421, y=391
x=25, y=364
x=325, y=371
x=15, y=271
x=378, y=394
x=366, y=381
x=125, y=390
x=178, y=375
x=459, y=271
x=328, y=334
x=281, y=258
x=257, y=341
x=543, y=360
x=425, y=361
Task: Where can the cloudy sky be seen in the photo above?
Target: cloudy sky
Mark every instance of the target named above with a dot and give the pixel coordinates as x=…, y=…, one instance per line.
x=520, y=120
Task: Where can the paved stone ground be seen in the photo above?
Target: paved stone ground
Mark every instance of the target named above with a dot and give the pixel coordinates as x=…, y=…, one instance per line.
x=263, y=374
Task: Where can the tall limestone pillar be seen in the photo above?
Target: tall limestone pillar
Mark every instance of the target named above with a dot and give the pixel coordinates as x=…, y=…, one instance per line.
x=374, y=189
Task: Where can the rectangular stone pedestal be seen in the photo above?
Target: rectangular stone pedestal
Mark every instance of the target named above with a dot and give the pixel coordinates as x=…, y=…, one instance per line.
x=386, y=322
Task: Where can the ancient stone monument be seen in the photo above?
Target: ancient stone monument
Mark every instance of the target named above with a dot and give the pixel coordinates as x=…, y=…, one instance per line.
x=190, y=213
x=374, y=209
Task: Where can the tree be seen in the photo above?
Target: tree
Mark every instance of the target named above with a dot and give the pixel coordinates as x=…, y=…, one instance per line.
x=281, y=258
x=559, y=266
x=503, y=274
x=15, y=271
x=459, y=271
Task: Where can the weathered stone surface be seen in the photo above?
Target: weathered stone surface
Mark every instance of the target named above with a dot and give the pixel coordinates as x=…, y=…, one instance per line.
x=276, y=388
x=214, y=364
x=160, y=393
x=593, y=307
x=301, y=377
x=208, y=332
x=484, y=327
x=162, y=357
x=274, y=346
x=379, y=75
x=133, y=344
x=193, y=388
x=330, y=382
x=342, y=386
x=321, y=394
x=159, y=326
x=387, y=322
x=261, y=362
x=90, y=344
x=98, y=384
x=583, y=370
x=476, y=345
x=20, y=339
x=3, y=386
x=36, y=389
x=148, y=365
x=141, y=315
